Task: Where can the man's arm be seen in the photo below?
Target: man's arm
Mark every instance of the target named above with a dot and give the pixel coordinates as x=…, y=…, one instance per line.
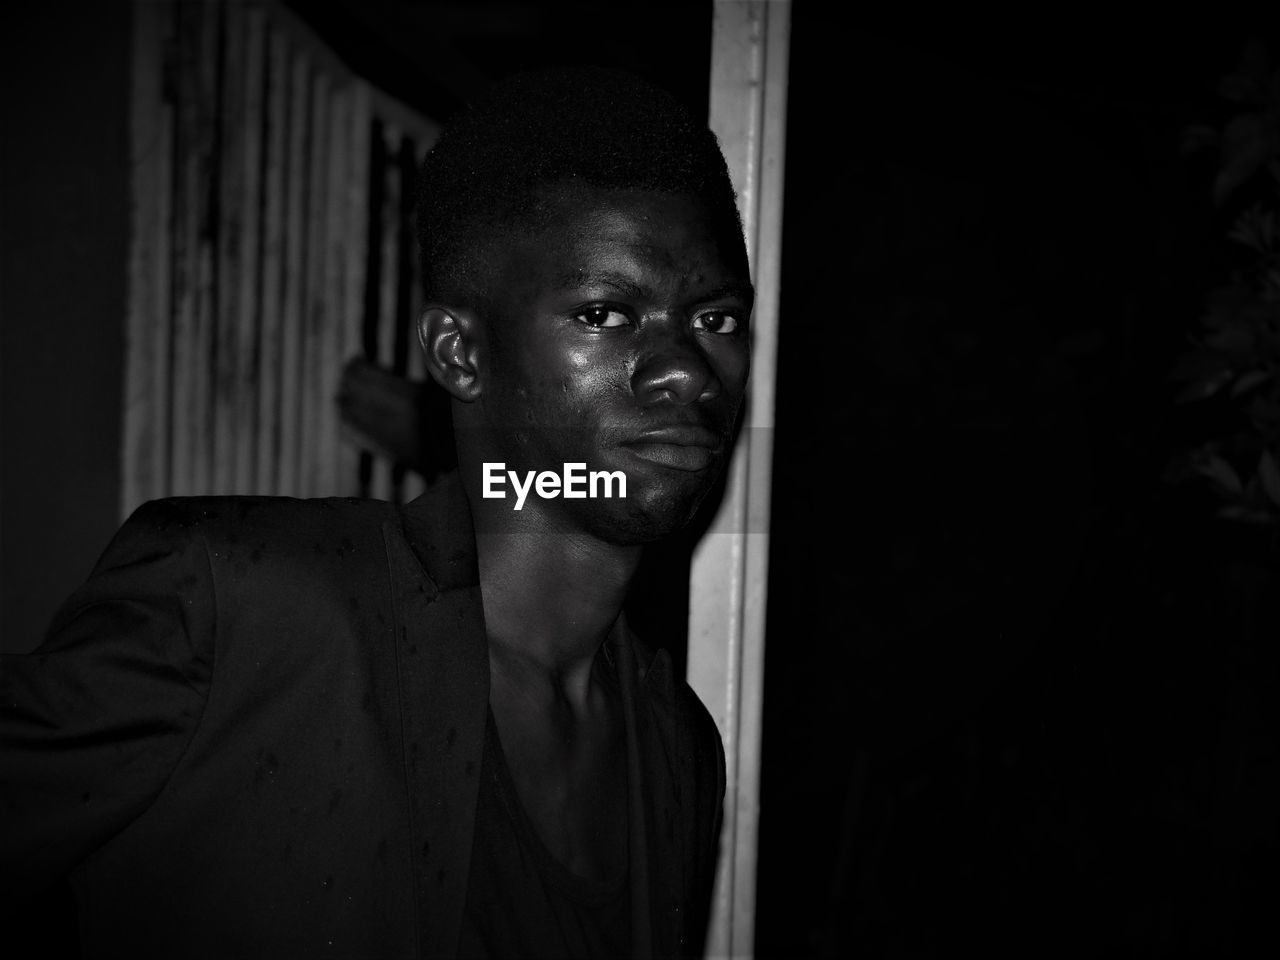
x=93, y=722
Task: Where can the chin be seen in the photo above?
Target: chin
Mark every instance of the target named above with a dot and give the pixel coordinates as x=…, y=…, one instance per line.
x=643, y=520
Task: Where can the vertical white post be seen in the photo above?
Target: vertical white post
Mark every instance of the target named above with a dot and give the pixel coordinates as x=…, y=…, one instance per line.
x=730, y=565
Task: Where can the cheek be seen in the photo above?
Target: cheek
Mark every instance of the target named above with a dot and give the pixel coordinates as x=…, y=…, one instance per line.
x=522, y=372
x=567, y=392
x=732, y=364
x=556, y=381
x=594, y=373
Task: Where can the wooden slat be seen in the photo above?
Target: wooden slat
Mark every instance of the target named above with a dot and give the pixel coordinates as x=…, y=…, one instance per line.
x=314, y=327
x=193, y=258
x=247, y=291
x=185, y=201
x=232, y=225
x=205, y=347
x=293, y=308
x=146, y=434
x=228, y=183
x=333, y=286
x=414, y=484
x=382, y=486
x=354, y=255
x=270, y=302
x=402, y=325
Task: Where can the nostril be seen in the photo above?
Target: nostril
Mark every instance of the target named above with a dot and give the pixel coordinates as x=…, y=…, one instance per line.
x=674, y=370
x=670, y=382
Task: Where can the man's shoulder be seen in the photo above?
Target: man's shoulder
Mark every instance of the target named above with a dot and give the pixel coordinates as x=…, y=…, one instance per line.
x=673, y=695
x=279, y=519
x=229, y=511
x=700, y=726
x=248, y=534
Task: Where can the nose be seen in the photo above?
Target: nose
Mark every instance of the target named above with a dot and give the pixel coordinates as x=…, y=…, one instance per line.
x=674, y=369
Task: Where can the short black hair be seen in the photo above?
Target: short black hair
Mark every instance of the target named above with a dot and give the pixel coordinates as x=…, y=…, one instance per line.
x=571, y=126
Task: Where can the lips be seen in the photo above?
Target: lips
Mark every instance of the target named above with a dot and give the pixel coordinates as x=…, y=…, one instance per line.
x=680, y=447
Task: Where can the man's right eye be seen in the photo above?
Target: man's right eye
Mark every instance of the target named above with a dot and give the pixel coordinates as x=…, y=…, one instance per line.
x=602, y=317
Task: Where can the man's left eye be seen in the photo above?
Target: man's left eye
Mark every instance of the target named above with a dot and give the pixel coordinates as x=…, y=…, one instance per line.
x=716, y=322
x=602, y=317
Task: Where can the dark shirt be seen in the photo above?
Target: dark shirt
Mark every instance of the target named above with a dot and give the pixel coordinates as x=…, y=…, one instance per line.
x=521, y=901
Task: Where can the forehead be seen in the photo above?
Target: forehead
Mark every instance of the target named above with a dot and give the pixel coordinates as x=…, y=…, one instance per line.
x=671, y=236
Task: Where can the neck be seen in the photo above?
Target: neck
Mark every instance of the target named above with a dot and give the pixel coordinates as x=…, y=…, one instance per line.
x=550, y=599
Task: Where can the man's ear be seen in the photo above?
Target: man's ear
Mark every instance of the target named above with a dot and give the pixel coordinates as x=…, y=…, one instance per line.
x=451, y=340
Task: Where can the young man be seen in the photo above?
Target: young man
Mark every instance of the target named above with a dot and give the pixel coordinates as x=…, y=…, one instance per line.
x=306, y=728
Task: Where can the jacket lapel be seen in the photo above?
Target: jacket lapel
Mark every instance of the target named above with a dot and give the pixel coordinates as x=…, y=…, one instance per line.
x=661, y=821
x=443, y=674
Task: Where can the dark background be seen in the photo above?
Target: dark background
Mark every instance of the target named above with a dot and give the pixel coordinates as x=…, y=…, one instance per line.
x=64, y=234
x=1021, y=693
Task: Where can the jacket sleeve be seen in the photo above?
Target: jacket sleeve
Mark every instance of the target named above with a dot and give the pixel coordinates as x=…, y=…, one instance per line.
x=93, y=722
x=709, y=771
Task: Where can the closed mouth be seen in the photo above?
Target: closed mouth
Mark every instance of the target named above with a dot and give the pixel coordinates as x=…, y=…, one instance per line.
x=688, y=448
x=681, y=436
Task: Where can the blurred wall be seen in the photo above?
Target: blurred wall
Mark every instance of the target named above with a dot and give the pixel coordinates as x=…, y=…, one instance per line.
x=64, y=230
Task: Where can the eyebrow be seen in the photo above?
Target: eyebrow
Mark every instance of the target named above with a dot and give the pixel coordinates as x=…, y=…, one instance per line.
x=580, y=278
x=743, y=291
x=624, y=284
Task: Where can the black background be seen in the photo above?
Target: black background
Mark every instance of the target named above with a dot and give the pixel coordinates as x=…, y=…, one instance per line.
x=1020, y=693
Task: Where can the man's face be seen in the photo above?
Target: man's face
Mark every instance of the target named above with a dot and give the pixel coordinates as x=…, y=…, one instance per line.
x=618, y=337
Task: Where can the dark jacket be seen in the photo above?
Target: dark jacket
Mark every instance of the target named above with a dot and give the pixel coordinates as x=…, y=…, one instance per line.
x=257, y=730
